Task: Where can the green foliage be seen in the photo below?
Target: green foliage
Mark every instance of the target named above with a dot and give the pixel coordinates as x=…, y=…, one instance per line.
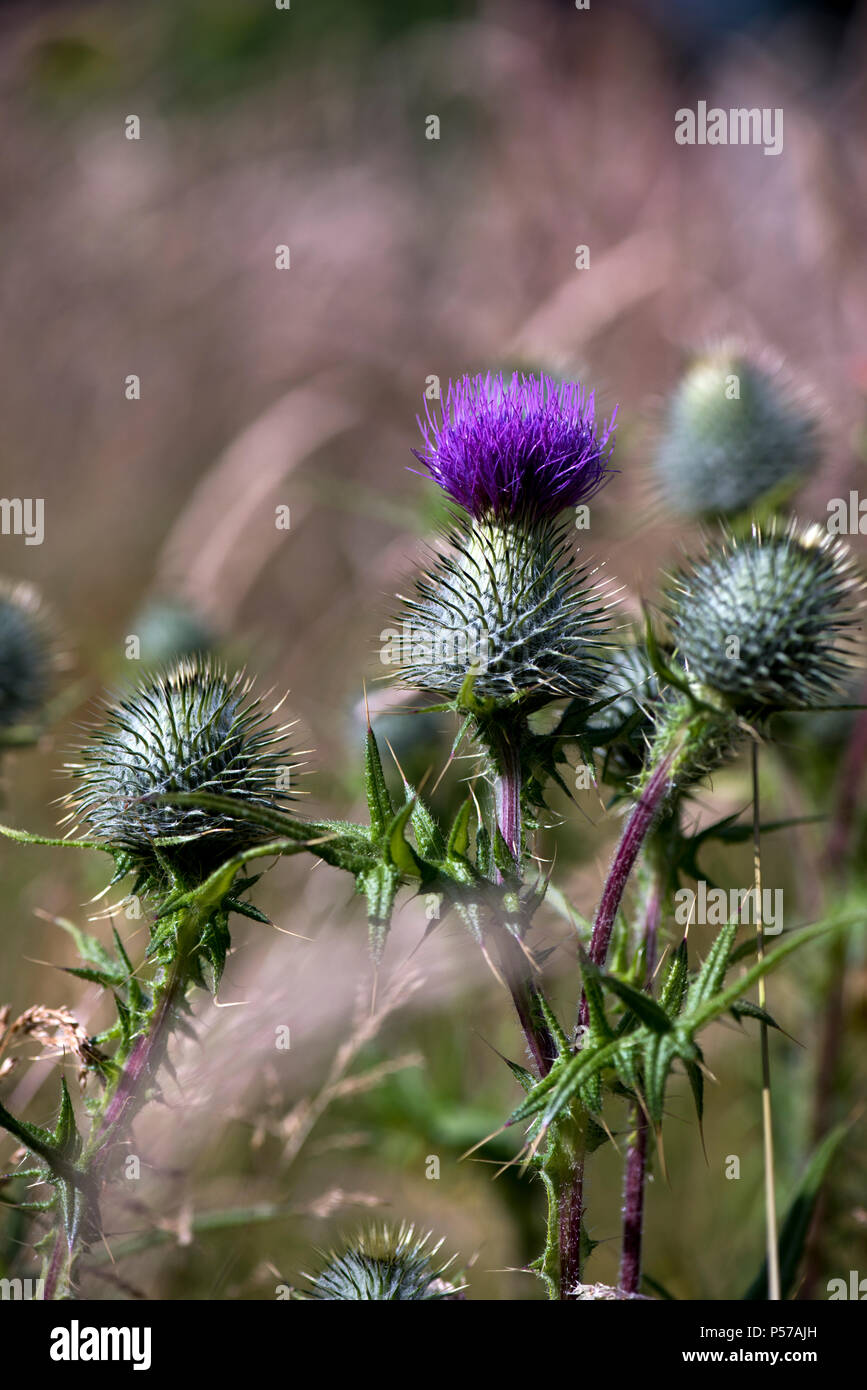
x=641, y=1051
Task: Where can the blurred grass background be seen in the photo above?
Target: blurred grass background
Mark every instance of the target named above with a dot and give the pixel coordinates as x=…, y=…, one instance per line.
x=259, y=388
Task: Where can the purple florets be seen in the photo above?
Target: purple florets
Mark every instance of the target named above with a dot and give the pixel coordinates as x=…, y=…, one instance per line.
x=522, y=451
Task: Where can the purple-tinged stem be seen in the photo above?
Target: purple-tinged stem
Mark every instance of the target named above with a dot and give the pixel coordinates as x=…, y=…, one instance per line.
x=59, y=1258
x=525, y=997
x=570, y=1215
x=635, y=1172
x=629, y=1279
x=507, y=795
x=143, y=1062
x=635, y=832
x=516, y=968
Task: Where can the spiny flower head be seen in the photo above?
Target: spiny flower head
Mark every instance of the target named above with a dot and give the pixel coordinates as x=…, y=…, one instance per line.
x=766, y=622
x=525, y=450
x=385, y=1265
x=736, y=430
x=192, y=728
x=29, y=656
x=511, y=603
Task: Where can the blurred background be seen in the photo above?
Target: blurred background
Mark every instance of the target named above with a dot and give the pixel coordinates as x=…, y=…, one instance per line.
x=409, y=257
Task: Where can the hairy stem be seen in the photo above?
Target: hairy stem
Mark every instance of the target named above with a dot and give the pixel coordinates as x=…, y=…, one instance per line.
x=635, y=1174
x=635, y=1170
x=638, y=825
x=565, y=1179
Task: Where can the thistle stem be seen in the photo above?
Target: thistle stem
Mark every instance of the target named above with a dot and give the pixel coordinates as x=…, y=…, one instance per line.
x=773, y=1256
x=638, y=825
x=147, y=1055
x=635, y=1171
x=565, y=1180
x=635, y=1174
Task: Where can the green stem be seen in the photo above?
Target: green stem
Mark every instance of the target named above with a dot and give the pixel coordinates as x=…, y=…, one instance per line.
x=563, y=1165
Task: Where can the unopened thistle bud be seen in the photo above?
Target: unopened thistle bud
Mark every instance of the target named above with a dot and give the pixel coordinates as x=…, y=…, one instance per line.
x=29, y=655
x=736, y=430
x=511, y=604
x=765, y=623
x=385, y=1265
x=191, y=729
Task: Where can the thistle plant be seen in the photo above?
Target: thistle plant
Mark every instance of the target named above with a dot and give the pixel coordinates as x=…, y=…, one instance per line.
x=187, y=780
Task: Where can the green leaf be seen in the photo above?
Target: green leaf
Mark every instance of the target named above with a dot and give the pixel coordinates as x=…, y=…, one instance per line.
x=696, y=1082
x=24, y=838
x=551, y=1095
x=744, y=1008
x=712, y=1008
x=673, y=992
x=712, y=973
x=428, y=836
x=379, y=886
x=379, y=804
x=92, y=951
x=659, y=1053
x=398, y=849
x=642, y=1005
x=459, y=835
x=66, y=1136
x=796, y=1226
x=526, y=1080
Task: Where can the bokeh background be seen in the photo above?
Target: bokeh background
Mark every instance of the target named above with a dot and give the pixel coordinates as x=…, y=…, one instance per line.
x=261, y=388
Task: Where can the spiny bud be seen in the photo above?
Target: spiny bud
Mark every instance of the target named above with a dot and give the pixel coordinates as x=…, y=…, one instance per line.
x=510, y=603
x=765, y=623
x=190, y=729
x=29, y=656
x=736, y=430
x=385, y=1265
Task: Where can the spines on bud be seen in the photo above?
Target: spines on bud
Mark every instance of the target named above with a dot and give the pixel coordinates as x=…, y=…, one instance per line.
x=510, y=604
x=192, y=728
x=385, y=1265
x=765, y=623
x=29, y=653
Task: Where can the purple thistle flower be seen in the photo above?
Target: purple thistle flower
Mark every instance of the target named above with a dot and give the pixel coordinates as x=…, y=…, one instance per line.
x=525, y=451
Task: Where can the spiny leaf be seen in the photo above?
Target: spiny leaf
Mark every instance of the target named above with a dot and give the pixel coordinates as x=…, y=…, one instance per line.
x=642, y=1005
x=379, y=804
x=379, y=886
x=91, y=950
x=399, y=851
x=554, y=1026
x=703, y=1013
x=712, y=973
x=744, y=1008
x=24, y=838
x=673, y=992
x=428, y=836
x=459, y=835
